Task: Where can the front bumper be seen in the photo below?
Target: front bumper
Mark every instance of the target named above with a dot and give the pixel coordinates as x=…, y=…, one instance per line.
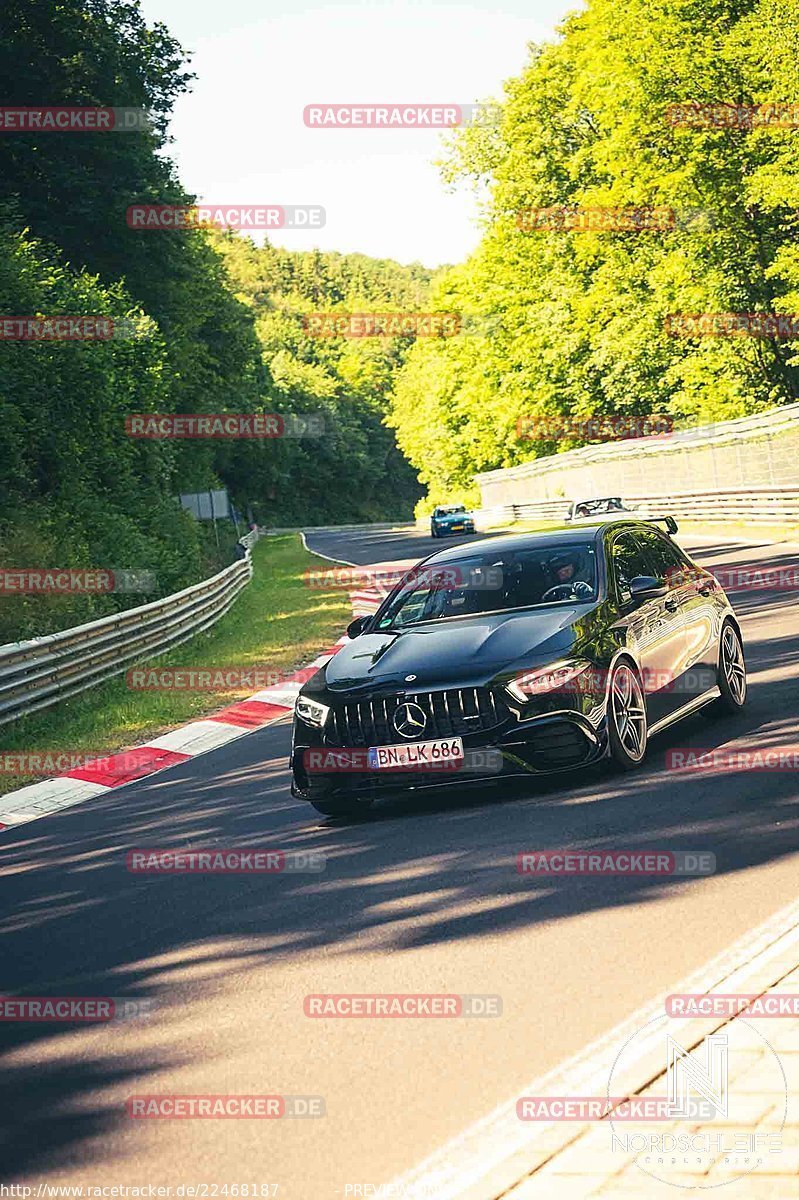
x=468, y=527
x=541, y=743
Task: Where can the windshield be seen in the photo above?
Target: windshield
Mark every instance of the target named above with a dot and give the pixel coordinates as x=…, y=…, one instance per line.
x=588, y=508
x=536, y=576
x=450, y=509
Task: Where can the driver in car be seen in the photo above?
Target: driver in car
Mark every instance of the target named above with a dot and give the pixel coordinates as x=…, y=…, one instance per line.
x=565, y=569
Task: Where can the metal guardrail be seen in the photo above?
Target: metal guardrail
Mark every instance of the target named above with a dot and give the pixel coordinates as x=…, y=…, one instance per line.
x=745, y=506
x=42, y=671
x=752, y=506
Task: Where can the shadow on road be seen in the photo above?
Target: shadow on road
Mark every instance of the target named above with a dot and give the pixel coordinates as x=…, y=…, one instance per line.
x=425, y=869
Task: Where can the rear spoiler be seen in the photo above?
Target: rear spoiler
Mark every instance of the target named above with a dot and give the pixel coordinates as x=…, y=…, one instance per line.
x=669, y=522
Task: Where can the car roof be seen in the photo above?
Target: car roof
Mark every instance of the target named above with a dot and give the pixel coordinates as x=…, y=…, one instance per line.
x=586, y=532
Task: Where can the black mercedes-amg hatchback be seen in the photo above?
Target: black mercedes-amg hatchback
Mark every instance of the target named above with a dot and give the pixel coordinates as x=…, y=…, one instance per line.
x=520, y=655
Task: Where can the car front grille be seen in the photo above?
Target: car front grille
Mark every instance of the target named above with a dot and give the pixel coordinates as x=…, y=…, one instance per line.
x=451, y=713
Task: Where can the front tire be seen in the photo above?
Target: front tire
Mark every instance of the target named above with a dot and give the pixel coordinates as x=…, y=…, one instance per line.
x=627, y=721
x=731, y=676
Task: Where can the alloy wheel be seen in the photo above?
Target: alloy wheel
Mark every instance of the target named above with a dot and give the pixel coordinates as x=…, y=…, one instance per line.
x=732, y=664
x=629, y=712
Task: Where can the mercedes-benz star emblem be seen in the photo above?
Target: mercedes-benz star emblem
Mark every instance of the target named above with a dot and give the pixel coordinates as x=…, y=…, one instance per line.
x=410, y=720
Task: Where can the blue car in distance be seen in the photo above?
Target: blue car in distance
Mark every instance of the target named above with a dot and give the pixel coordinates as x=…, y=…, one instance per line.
x=451, y=518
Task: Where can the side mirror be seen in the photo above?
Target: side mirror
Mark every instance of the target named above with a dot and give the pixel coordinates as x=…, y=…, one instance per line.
x=646, y=587
x=357, y=627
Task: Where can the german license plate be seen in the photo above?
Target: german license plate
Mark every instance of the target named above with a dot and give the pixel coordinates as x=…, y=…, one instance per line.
x=442, y=752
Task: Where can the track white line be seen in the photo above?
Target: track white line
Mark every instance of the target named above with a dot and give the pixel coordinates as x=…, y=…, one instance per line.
x=469, y=1160
x=328, y=557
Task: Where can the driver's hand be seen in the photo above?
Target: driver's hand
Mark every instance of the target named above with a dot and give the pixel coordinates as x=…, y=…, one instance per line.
x=579, y=590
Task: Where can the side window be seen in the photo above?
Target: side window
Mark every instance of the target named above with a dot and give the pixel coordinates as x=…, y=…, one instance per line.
x=665, y=559
x=627, y=559
x=418, y=605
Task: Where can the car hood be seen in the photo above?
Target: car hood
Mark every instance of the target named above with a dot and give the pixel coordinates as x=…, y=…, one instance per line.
x=453, y=518
x=463, y=650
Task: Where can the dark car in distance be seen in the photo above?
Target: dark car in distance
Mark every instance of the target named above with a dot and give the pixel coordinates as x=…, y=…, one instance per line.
x=518, y=655
x=450, y=518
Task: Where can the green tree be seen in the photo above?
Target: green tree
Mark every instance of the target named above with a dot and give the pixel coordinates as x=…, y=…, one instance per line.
x=583, y=314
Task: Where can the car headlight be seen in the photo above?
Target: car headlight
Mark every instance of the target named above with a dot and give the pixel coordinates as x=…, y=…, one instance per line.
x=566, y=677
x=311, y=711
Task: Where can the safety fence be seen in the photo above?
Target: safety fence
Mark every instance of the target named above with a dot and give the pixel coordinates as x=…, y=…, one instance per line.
x=42, y=671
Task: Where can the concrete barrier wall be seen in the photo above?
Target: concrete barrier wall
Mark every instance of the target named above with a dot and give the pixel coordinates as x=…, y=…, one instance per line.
x=752, y=452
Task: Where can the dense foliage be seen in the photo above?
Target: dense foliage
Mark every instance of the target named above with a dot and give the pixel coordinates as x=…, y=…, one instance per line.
x=76, y=491
x=582, y=315
x=354, y=471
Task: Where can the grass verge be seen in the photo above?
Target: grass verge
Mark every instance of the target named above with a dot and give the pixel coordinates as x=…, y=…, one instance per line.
x=277, y=624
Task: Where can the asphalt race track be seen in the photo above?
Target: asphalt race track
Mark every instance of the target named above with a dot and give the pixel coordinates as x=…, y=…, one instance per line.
x=422, y=897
